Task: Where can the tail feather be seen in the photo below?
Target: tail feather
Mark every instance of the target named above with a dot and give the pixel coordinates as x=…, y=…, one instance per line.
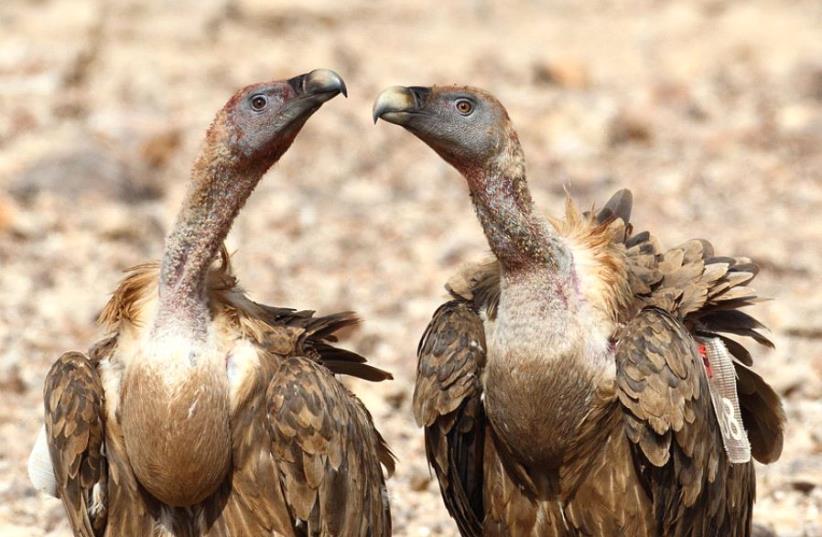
x=762, y=414
x=356, y=369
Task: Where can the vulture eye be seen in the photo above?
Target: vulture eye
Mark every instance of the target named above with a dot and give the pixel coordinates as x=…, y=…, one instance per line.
x=258, y=102
x=464, y=106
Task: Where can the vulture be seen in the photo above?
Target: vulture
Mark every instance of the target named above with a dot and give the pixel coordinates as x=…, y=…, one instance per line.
x=582, y=381
x=202, y=412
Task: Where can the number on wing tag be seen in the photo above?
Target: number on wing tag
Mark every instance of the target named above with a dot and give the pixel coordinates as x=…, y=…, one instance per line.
x=719, y=368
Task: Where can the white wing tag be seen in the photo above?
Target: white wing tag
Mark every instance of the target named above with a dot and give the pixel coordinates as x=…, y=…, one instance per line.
x=719, y=368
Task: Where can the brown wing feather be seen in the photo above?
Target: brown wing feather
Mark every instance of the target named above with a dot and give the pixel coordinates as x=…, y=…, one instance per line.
x=269, y=492
x=328, y=453
x=447, y=403
x=611, y=500
x=254, y=503
x=509, y=510
x=706, y=293
x=74, y=402
x=677, y=443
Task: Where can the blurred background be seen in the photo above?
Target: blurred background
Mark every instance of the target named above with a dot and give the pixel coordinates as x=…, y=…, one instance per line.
x=709, y=110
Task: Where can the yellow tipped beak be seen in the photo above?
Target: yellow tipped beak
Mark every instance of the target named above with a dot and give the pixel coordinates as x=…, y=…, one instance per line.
x=392, y=103
x=325, y=81
x=319, y=85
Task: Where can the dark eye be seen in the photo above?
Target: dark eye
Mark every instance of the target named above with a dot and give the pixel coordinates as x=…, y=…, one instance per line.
x=464, y=106
x=258, y=102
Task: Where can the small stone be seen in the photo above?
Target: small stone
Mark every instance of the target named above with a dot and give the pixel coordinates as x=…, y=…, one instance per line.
x=566, y=73
x=808, y=79
x=758, y=530
x=8, y=211
x=11, y=381
x=804, y=486
x=419, y=481
x=629, y=126
x=396, y=397
x=158, y=149
x=796, y=117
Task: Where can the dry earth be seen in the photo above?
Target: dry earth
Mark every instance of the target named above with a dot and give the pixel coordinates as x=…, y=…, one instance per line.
x=710, y=110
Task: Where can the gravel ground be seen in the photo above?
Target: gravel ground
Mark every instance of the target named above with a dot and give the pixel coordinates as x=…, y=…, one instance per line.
x=709, y=110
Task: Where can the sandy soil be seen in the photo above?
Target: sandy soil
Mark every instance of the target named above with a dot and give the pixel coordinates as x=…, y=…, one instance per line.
x=710, y=110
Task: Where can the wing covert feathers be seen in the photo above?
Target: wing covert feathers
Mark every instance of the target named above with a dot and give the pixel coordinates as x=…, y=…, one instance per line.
x=73, y=397
x=451, y=353
x=660, y=386
x=447, y=403
x=706, y=292
x=669, y=418
x=328, y=453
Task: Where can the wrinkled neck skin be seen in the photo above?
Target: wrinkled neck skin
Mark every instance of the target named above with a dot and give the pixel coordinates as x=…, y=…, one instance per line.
x=539, y=287
x=522, y=241
x=219, y=188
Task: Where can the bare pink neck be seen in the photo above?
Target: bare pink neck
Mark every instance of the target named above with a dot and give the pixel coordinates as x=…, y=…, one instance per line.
x=519, y=238
x=217, y=192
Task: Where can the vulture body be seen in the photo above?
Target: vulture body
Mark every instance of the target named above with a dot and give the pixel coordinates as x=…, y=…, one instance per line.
x=566, y=387
x=202, y=412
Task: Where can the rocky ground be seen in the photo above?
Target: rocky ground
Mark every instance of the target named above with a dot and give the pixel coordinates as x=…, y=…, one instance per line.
x=709, y=110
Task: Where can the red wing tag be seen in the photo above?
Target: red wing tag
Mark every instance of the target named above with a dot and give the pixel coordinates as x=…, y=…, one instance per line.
x=719, y=368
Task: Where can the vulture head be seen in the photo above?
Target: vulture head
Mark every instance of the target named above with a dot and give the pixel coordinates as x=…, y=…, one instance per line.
x=259, y=123
x=466, y=126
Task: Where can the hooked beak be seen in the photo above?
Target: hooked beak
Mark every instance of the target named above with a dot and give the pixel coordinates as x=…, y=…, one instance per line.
x=397, y=103
x=318, y=86
x=311, y=90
